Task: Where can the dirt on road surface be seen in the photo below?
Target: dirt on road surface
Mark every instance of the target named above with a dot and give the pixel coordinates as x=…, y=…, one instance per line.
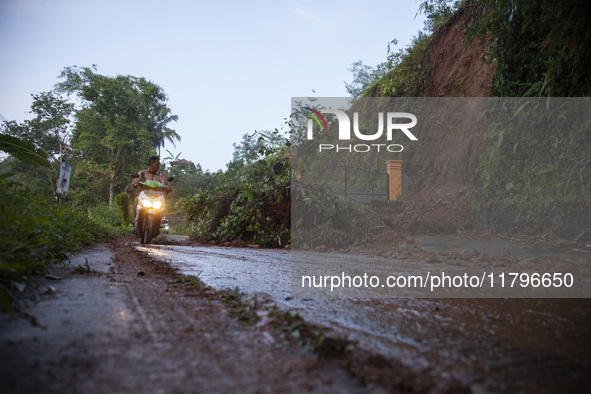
x=122, y=322
x=116, y=320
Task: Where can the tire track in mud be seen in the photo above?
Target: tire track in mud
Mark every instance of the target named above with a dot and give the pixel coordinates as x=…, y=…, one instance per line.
x=141, y=312
x=161, y=316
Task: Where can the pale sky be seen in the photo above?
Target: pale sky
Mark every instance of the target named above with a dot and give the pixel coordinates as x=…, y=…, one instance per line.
x=228, y=67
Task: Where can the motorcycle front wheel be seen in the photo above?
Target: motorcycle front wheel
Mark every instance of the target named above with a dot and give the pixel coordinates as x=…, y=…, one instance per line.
x=147, y=230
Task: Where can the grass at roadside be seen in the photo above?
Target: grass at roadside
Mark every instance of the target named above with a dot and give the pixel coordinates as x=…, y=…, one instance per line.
x=36, y=232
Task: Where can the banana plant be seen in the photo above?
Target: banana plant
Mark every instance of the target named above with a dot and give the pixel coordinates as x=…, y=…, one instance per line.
x=24, y=150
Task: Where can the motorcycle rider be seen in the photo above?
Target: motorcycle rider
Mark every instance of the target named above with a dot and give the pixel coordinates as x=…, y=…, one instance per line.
x=149, y=174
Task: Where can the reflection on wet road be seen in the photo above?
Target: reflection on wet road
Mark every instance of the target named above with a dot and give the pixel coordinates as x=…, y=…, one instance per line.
x=496, y=344
x=251, y=270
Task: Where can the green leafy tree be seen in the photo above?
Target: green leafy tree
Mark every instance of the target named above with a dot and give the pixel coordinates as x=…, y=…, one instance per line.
x=437, y=12
x=188, y=178
x=122, y=121
x=107, y=152
x=364, y=77
x=51, y=127
x=256, y=146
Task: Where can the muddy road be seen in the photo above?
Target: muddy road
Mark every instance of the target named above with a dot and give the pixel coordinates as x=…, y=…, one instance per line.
x=115, y=321
x=125, y=320
x=498, y=345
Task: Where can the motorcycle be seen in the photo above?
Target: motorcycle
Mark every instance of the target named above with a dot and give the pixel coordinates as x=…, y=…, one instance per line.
x=150, y=205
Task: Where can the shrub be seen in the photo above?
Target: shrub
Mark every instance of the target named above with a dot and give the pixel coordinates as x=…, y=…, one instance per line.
x=252, y=205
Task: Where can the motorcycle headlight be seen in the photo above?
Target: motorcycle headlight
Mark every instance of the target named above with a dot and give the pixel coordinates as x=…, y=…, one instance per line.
x=157, y=204
x=147, y=203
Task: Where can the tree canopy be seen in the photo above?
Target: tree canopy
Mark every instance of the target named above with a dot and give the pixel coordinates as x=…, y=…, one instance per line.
x=108, y=130
x=121, y=122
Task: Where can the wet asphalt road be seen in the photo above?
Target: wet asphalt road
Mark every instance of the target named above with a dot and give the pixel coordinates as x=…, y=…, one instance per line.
x=487, y=344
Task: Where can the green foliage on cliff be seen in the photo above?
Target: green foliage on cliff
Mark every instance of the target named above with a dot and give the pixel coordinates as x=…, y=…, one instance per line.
x=405, y=77
x=538, y=166
x=537, y=162
x=402, y=74
x=541, y=48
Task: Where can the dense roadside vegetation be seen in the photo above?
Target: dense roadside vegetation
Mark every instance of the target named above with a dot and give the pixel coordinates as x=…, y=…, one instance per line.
x=106, y=132
x=35, y=232
x=250, y=201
